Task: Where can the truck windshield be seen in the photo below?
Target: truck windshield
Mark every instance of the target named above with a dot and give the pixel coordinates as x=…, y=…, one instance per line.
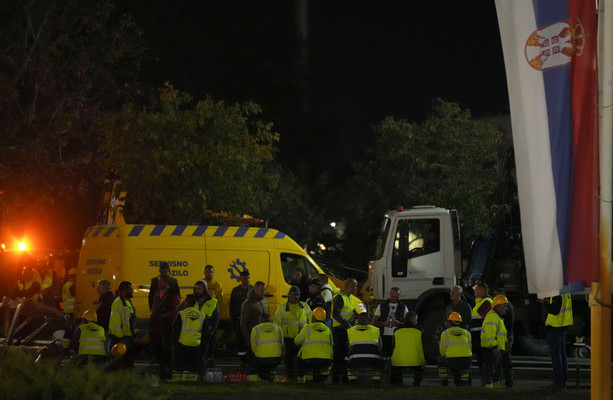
x=382, y=239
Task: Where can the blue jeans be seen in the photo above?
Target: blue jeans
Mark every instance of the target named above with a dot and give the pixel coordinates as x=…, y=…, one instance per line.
x=556, y=338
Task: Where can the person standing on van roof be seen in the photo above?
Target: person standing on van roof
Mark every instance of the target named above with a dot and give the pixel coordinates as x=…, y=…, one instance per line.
x=173, y=285
x=342, y=312
x=237, y=297
x=291, y=317
x=255, y=305
x=163, y=312
x=298, y=279
x=121, y=324
x=105, y=301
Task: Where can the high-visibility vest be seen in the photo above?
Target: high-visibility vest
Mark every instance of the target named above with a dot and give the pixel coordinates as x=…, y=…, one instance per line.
x=364, y=342
x=346, y=311
x=315, y=340
x=455, y=342
x=209, y=307
x=191, y=326
x=494, y=332
x=121, y=314
x=67, y=298
x=477, y=320
x=267, y=340
x=47, y=280
x=91, y=341
x=290, y=316
x=409, y=349
x=565, y=316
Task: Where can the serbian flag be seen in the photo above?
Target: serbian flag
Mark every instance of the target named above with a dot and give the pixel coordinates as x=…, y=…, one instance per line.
x=551, y=65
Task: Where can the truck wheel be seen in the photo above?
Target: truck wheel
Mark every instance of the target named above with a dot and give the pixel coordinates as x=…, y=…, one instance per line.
x=433, y=327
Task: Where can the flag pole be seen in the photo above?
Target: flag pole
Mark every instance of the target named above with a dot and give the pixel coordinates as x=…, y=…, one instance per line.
x=600, y=297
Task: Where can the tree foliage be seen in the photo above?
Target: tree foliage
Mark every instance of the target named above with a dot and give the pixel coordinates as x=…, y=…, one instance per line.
x=181, y=159
x=63, y=64
x=445, y=161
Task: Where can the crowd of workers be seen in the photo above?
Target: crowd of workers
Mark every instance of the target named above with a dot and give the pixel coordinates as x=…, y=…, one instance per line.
x=316, y=333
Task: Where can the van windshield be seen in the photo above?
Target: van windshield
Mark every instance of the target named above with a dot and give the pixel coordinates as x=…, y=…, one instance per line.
x=291, y=262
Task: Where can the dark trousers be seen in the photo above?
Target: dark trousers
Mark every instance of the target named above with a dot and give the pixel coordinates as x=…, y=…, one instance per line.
x=476, y=339
x=507, y=364
x=186, y=358
x=319, y=366
x=388, y=342
x=397, y=372
x=264, y=366
x=458, y=367
x=339, y=369
x=290, y=352
x=492, y=365
x=242, y=349
x=556, y=338
x=162, y=351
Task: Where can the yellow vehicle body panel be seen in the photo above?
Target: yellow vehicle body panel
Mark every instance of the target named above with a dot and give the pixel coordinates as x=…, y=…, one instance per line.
x=133, y=253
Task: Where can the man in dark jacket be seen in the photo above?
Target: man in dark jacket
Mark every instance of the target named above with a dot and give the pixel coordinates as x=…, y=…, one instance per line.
x=173, y=285
x=105, y=300
x=255, y=305
x=237, y=297
x=163, y=312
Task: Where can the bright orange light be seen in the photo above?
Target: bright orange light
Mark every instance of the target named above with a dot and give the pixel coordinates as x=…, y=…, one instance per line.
x=21, y=246
x=3, y=246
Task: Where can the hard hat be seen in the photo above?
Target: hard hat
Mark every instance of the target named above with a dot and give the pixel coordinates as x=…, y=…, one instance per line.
x=90, y=316
x=319, y=313
x=118, y=350
x=500, y=299
x=454, y=316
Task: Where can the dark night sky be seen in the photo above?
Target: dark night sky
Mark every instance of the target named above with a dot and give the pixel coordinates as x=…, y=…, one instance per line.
x=366, y=60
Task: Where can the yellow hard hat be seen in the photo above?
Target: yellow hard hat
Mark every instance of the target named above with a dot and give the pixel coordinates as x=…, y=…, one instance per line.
x=319, y=314
x=500, y=299
x=454, y=316
x=90, y=316
x=118, y=350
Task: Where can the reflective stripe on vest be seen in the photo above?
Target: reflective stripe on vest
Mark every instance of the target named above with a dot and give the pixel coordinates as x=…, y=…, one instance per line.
x=366, y=336
x=346, y=311
x=289, y=320
x=191, y=327
x=267, y=344
x=494, y=332
x=317, y=344
x=208, y=308
x=565, y=316
x=455, y=342
x=119, y=323
x=47, y=281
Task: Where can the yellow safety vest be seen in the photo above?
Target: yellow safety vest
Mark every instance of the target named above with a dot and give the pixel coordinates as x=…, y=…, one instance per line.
x=91, y=341
x=267, y=340
x=494, y=332
x=67, y=298
x=191, y=326
x=455, y=342
x=359, y=335
x=208, y=308
x=119, y=324
x=565, y=316
x=475, y=315
x=47, y=280
x=290, y=316
x=346, y=311
x=409, y=349
x=315, y=340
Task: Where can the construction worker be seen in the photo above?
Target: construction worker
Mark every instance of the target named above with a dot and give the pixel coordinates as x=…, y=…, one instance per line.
x=315, y=355
x=494, y=340
x=483, y=304
x=90, y=340
x=559, y=318
x=342, y=313
x=408, y=351
x=388, y=316
x=27, y=287
x=68, y=293
x=365, y=349
x=291, y=317
x=267, y=347
x=215, y=290
x=121, y=324
x=187, y=337
x=105, y=302
x=455, y=347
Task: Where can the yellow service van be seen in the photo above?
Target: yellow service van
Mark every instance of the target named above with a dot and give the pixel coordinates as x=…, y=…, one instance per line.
x=133, y=253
